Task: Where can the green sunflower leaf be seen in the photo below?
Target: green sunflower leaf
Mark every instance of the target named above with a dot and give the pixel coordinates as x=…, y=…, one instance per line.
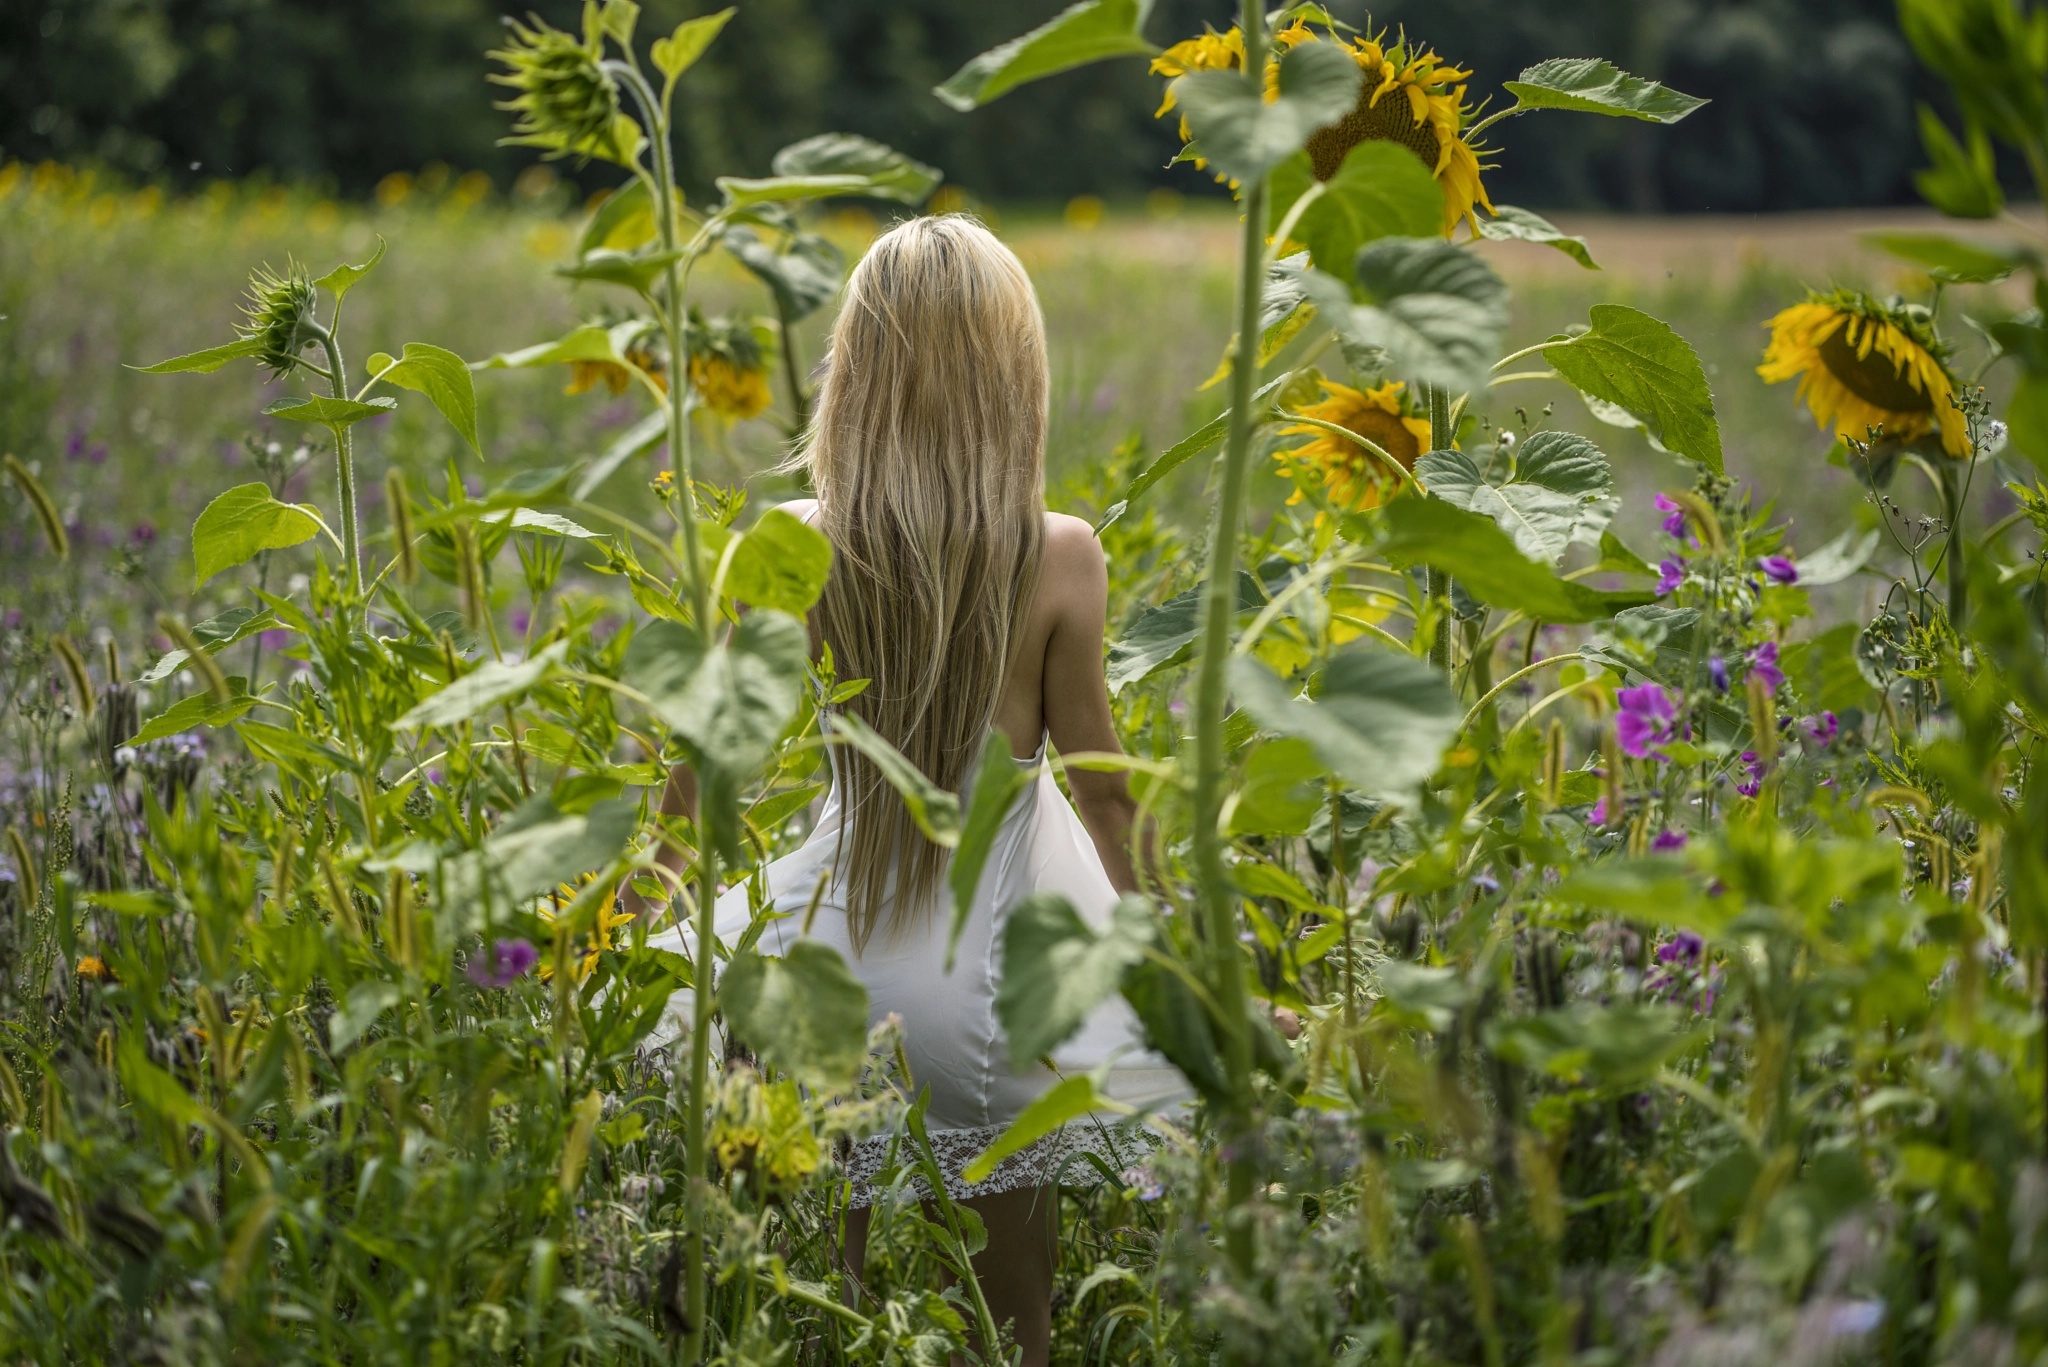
x=244, y=521
x=1953, y=260
x=936, y=811
x=1630, y=359
x=1591, y=86
x=1433, y=311
x=1485, y=561
x=343, y=278
x=804, y=272
x=889, y=173
x=587, y=343
x=1559, y=489
x=1165, y=636
x=634, y=270
x=729, y=702
x=331, y=413
x=1067, y=1100
x=1379, y=718
x=804, y=1013
x=443, y=377
x=1057, y=969
x=1087, y=32
x=1381, y=190
x=1963, y=182
x=741, y=192
x=679, y=51
x=998, y=779
x=489, y=686
x=780, y=563
x=1243, y=135
x=207, y=361
x=1511, y=224
x=216, y=633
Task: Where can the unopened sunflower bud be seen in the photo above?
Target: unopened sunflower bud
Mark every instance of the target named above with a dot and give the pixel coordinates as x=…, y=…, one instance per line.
x=400, y=509
x=566, y=102
x=74, y=673
x=46, y=511
x=196, y=655
x=279, y=315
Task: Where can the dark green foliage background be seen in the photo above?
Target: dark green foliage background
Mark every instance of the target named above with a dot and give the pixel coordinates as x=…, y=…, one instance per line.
x=1813, y=99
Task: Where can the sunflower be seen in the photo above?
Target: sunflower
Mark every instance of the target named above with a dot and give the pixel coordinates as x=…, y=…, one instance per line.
x=727, y=366
x=1411, y=97
x=585, y=376
x=1864, y=364
x=1354, y=476
x=609, y=919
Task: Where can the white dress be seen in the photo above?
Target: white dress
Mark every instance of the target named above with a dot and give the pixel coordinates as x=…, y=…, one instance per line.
x=952, y=1039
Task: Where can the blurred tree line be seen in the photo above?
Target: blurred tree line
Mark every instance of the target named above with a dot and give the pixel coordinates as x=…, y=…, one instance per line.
x=1813, y=99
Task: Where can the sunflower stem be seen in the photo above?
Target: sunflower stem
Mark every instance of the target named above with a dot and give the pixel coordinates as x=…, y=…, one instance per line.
x=697, y=1166
x=1219, y=611
x=345, y=463
x=1441, y=436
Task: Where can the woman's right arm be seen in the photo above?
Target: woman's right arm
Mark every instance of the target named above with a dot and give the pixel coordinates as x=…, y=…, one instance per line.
x=1075, y=697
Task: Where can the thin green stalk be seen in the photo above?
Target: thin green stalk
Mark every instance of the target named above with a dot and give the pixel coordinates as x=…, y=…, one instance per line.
x=1219, y=609
x=799, y=402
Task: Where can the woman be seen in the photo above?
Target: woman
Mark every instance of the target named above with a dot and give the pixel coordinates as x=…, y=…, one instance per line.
x=966, y=605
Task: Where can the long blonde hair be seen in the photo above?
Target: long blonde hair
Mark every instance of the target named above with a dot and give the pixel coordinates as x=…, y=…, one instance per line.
x=927, y=451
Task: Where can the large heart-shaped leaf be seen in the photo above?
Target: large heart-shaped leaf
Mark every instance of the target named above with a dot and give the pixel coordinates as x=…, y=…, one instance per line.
x=1244, y=135
x=439, y=374
x=1592, y=86
x=243, y=522
x=1558, y=484
x=1432, y=310
x=1380, y=718
x=1381, y=190
x=1633, y=360
x=804, y=1013
x=1079, y=34
x=1483, y=559
x=804, y=273
x=729, y=702
x=1510, y=224
x=1057, y=969
x=780, y=563
x=889, y=174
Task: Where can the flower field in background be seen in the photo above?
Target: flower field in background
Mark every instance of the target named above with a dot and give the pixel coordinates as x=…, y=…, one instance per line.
x=1587, y=730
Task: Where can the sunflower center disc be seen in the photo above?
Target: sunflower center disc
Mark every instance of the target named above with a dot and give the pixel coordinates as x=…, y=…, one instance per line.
x=1871, y=378
x=1386, y=431
x=1391, y=120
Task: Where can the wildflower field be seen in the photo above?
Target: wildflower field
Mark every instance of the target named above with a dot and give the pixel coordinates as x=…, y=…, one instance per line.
x=1586, y=725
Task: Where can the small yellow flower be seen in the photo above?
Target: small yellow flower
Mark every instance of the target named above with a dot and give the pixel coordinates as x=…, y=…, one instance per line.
x=609, y=919
x=93, y=967
x=761, y=1130
x=1863, y=364
x=1354, y=476
x=1411, y=97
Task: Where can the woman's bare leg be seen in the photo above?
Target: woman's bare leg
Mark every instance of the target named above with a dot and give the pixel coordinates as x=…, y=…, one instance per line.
x=1015, y=1270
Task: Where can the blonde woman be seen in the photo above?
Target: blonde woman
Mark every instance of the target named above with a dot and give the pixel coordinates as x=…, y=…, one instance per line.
x=968, y=606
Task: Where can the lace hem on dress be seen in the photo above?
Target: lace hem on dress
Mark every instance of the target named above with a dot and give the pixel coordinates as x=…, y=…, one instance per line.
x=1055, y=1160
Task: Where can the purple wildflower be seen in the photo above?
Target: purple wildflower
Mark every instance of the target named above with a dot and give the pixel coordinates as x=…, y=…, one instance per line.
x=1779, y=569
x=1669, y=840
x=1599, y=815
x=1717, y=670
x=1670, y=574
x=1686, y=949
x=1823, y=728
x=1674, y=521
x=1143, y=1184
x=1645, y=717
x=502, y=962
x=1763, y=662
x=143, y=533
x=1486, y=883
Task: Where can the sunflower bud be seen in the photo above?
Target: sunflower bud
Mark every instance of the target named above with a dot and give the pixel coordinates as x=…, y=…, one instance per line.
x=280, y=315
x=566, y=102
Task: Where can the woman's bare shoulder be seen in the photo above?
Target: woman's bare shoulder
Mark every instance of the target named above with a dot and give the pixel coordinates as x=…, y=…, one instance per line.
x=803, y=509
x=1073, y=568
